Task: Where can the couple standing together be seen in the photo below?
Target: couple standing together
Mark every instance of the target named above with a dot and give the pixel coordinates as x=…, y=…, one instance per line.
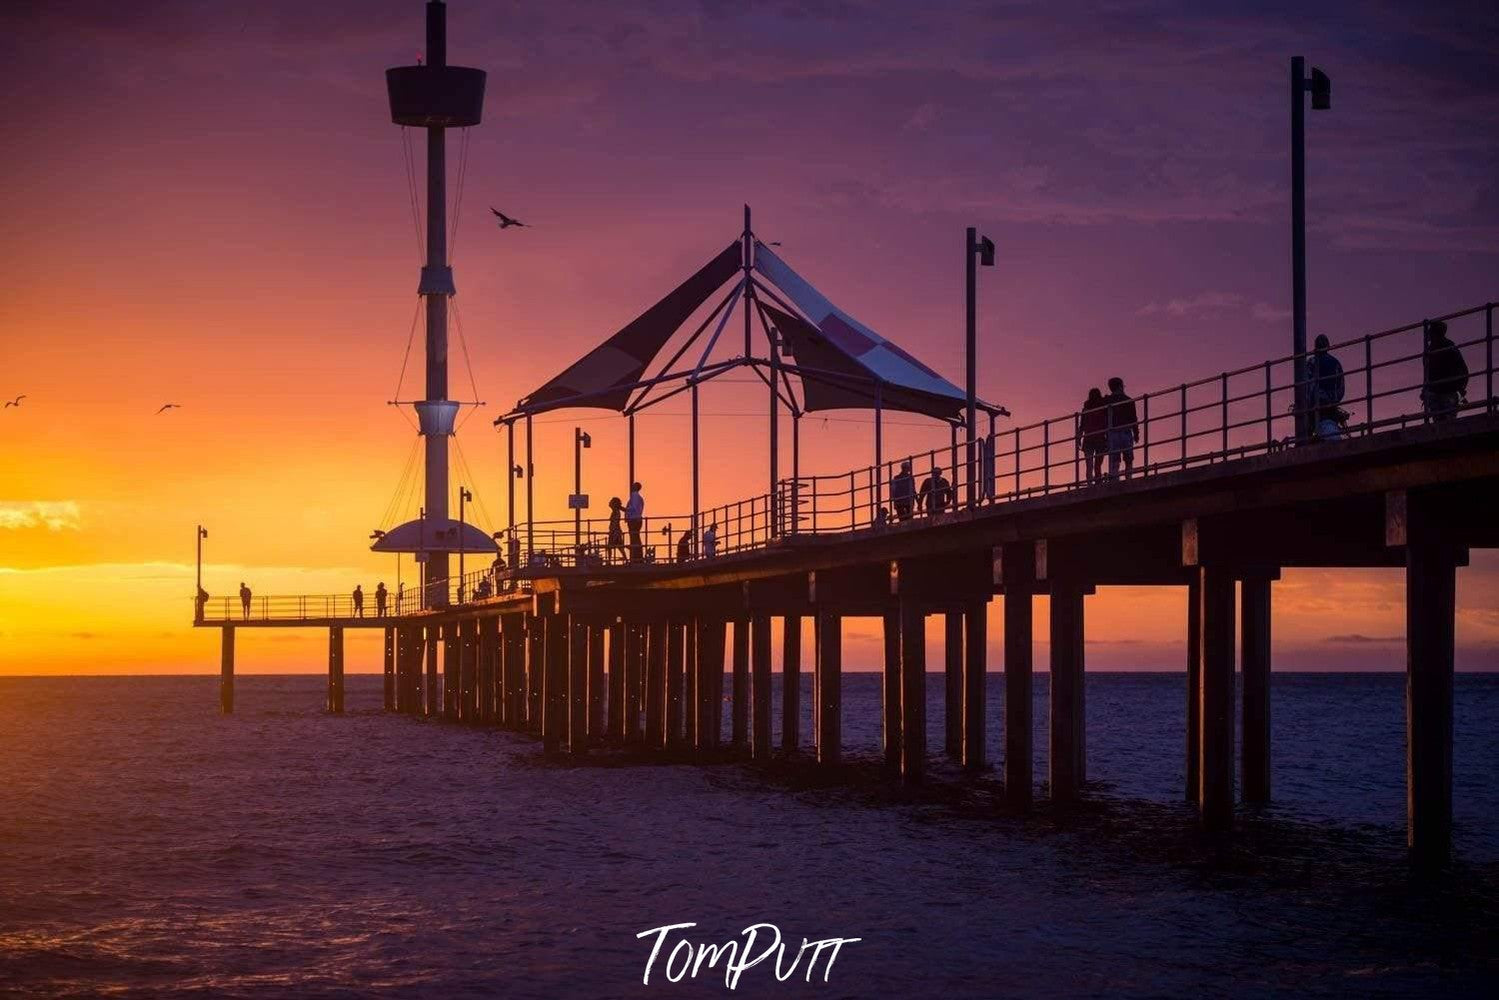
x=633, y=512
x=1109, y=426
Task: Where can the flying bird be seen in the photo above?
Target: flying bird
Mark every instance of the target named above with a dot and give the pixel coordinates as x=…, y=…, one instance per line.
x=506, y=221
x=13, y=402
x=169, y=406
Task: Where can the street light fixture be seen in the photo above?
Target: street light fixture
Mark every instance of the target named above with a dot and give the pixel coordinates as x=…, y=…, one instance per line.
x=198, y=594
x=581, y=440
x=1319, y=85
x=464, y=496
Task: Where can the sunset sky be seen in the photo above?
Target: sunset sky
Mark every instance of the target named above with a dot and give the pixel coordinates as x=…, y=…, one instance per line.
x=205, y=203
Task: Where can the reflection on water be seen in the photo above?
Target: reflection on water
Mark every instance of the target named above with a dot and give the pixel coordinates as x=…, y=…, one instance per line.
x=149, y=847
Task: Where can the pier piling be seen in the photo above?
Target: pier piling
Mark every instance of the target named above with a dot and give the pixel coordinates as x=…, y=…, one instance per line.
x=1430, y=609
x=597, y=693
x=760, y=686
x=430, y=693
x=554, y=683
x=336, y=669
x=1019, y=579
x=690, y=681
x=634, y=670
x=791, y=683
x=577, y=687
x=739, y=731
x=975, y=669
x=890, y=689
x=912, y=692
x=226, y=670
x=616, y=704
x=1215, y=757
x=389, y=701
x=655, y=684
x=710, y=649
x=1068, y=715
x=829, y=646
x=1254, y=652
x=675, y=659
x=952, y=684
x=1194, y=686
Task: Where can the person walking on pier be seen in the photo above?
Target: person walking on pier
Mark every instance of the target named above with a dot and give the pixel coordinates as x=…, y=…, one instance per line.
x=710, y=541
x=635, y=518
x=244, y=599
x=381, y=595
x=358, y=596
x=616, y=533
x=1123, y=428
x=903, y=491
x=1327, y=392
x=684, y=546
x=936, y=492
x=1092, y=434
x=1446, y=381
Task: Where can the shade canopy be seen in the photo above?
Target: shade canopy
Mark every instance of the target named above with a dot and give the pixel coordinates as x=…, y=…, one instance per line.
x=435, y=535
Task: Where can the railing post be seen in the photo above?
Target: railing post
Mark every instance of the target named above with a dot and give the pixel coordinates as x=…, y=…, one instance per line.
x=1368, y=385
x=1017, y=463
x=1145, y=433
x=1046, y=456
x=1077, y=446
x=1269, y=414
x=1184, y=424
x=853, y=516
x=1224, y=380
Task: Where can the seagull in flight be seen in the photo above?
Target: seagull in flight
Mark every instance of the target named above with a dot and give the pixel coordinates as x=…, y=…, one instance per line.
x=506, y=221
x=13, y=402
x=169, y=406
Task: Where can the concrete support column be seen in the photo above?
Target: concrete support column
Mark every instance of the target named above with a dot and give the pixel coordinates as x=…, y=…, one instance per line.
x=468, y=662
x=1215, y=756
x=336, y=669
x=226, y=670
x=554, y=684
x=952, y=687
x=739, y=732
x=975, y=680
x=389, y=702
x=710, y=648
x=1430, y=606
x=760, y=686
x=655, y=684
x=597, y=693
x=509, y=672
x=890, y=689
x=452, y=654
x=1194, y=685
x=634, y=671
x=912, y=692
x=1019, y=724
x=829, y=648
x=577, y=687
x=1069, y=731
x=492, y=693
x=675, y=709
x=1254, y=668
x=616, y=720
x=791, y=684
x=430, y=704
x=689, y=685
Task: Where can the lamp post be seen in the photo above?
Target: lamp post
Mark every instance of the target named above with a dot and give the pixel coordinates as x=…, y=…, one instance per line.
x=464, y=496
x=198, y=594
x=581, y=440
x=1320, y=87
x=980, y=250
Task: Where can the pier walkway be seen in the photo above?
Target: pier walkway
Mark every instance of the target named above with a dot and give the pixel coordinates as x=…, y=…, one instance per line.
x=584, y=650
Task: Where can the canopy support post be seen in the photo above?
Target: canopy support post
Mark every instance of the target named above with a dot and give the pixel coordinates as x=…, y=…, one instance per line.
x=879, y=459
x=796, y=471
x=695, y=466
x=510, y=474
x=775, y=439
x=631, y=429
x=530, y=496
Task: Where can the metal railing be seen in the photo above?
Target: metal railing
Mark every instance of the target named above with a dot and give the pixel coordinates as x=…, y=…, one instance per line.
x=1388, y=383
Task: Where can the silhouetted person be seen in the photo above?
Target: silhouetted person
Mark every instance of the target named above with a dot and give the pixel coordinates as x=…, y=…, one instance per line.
x=1092, y=434
x=1446, y=374
x=460, y=591
x=1326, y=377
x=358, y=596
x=903, y=491
x=512, y=546
x=881, y=518
x=635, y=517
x=1123, y=428
x=244, y=599
x=201, y=604
x=936, y=492
x=684, y=546
x=381, y=596
x=400, y=595
x=710, y=541
x=616, y=533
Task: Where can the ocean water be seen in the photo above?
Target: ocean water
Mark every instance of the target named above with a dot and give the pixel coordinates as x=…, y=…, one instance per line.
x=151, y=848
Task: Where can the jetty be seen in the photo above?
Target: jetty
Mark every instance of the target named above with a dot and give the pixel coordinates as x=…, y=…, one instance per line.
x=585, y=643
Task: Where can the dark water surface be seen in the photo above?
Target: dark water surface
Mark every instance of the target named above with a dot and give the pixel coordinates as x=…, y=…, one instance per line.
x=150, y=848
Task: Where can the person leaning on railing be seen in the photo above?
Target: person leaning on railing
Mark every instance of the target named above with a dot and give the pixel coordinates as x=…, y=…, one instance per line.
x=1446, y=374
x=1124, y=428
x=1327, y=392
